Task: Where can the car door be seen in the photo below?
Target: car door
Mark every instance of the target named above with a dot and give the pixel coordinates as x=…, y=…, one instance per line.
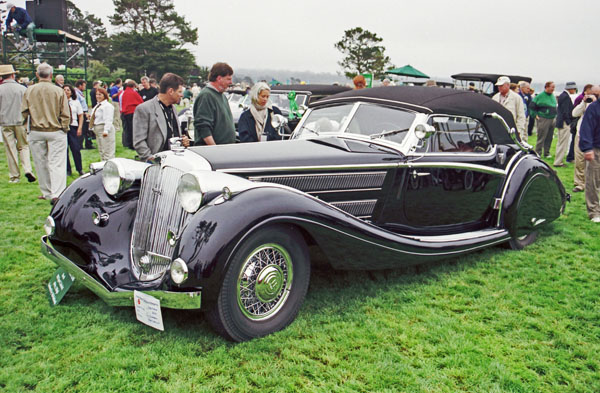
x=448, y=183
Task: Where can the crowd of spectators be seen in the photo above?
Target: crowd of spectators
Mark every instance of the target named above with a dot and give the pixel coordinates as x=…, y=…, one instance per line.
x=53, y=119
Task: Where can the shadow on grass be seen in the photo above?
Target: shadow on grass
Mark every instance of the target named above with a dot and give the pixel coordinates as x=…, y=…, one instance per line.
x=332, y=293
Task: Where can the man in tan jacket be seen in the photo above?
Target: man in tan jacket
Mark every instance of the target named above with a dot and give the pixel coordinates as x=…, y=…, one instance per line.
x=513, y=102
x=46, y=109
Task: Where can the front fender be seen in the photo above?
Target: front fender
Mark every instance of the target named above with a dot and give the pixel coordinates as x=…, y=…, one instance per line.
x=213, y=233
x=534, y=196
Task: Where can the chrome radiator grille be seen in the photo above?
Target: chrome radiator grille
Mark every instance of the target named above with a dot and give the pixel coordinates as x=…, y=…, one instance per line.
x=158, y=212
x=315, y=183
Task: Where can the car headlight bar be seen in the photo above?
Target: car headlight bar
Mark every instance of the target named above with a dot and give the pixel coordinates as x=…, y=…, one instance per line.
x=119, y=174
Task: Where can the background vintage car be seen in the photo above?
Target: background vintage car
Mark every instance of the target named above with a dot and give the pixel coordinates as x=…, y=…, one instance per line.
x=378, y=178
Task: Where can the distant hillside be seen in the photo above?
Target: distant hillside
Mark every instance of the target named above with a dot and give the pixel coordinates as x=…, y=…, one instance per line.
x=287, y=76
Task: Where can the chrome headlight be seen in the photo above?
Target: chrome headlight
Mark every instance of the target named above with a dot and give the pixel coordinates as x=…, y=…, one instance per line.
x=120, y=173
x=189, y=193
x=179, y=271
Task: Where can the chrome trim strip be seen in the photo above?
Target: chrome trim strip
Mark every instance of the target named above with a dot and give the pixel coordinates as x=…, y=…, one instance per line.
x=457, y=237
x=308, y=168
x=486, y=244
x=456, y=165
x=177, y=300
x=265, y=178
x=524, y=146
x=490, y=154
x=341, y=191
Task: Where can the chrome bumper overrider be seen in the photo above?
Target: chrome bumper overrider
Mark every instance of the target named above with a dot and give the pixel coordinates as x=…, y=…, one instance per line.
x=178, y=300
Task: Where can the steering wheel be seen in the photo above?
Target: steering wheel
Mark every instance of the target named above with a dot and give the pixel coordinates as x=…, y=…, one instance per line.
x=480, y=141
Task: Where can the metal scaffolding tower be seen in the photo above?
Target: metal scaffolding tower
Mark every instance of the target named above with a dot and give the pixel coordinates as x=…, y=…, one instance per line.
x=26, y=61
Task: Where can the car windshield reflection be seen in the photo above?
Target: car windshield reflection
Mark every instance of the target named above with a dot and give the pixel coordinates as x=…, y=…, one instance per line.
x=370, y=120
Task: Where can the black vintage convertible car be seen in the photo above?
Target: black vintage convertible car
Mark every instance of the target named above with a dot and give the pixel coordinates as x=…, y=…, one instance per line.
x=378, y=178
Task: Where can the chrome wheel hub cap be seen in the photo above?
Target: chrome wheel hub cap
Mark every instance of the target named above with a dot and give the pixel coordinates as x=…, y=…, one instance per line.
x=269, y=283
x=264, y=282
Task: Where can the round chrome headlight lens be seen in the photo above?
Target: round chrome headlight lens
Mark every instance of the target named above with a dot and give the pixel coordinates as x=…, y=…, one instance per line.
x=189, y=193
x=111, y=178
x=49, y=226
x=179, y=271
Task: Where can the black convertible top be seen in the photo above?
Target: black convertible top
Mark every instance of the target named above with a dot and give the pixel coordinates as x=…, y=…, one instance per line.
x=471, y=76
x=431, y=100
x=314, y=89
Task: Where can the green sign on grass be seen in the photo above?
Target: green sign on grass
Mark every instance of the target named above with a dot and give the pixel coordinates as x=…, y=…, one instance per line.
x=58, y=286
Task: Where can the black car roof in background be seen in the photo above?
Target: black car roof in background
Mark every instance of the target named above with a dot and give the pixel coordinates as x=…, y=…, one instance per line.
x=315, y=89
x=237, y=91
x=432, y=100
x=470, y=76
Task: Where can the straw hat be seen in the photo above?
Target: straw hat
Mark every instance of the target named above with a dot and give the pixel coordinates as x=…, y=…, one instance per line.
x=7, y=69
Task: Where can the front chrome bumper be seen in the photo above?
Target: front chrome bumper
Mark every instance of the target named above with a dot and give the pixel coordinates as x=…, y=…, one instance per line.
x=178, y=300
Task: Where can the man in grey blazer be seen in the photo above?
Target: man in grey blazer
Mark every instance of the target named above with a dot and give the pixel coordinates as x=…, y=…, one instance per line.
x=155, y=121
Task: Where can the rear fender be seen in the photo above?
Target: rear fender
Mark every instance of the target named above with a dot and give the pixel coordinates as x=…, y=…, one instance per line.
x=533, y=197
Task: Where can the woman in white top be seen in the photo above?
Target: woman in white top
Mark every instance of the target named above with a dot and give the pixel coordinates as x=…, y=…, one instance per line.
x=101, y=121
x=74, y=130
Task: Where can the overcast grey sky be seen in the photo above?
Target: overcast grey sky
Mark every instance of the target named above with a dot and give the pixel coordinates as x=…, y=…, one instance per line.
x=545, y=39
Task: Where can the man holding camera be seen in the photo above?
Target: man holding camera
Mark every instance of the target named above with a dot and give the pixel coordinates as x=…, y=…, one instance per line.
x=589, y=144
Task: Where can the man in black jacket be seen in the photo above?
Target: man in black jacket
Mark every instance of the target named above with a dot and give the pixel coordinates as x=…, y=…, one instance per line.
x=563, y=122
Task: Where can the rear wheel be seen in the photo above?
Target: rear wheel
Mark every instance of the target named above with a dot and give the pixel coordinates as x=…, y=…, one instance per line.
x=264, y=286
x=519, y=243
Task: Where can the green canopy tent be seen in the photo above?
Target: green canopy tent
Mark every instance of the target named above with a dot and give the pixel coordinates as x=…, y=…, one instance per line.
x=407, y=70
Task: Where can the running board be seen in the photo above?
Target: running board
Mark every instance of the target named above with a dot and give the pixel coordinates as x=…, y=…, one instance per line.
x=476, y=236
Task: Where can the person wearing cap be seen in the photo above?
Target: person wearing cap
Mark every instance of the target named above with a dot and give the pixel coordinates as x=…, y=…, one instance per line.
x=14, y=134
x=564, y=119
x=543, y=108
x=24, y=22
x=386, y=82
x=513, y=102
x=46, y=108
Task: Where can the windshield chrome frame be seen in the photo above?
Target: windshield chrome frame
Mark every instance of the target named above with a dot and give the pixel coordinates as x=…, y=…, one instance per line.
x=407, y=143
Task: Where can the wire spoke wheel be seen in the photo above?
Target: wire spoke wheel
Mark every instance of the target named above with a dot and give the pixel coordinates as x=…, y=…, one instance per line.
x=264, y=282
x=264, y=286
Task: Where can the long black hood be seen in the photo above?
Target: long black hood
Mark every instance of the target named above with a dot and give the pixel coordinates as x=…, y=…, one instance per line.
x=297, y=153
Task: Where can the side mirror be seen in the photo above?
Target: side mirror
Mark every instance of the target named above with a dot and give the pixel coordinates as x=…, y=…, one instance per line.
x=278, y=121
x=423, y=131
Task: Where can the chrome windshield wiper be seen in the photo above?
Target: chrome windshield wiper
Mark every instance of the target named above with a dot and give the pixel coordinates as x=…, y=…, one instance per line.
x=387, y=133
x=311, y=130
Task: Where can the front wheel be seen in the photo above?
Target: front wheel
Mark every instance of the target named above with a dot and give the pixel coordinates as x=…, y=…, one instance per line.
x=264, y=286
x=519, y=243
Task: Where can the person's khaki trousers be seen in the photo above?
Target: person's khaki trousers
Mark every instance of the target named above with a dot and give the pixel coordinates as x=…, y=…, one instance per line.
x=545, y=132
x=579, y=176
x=116, y=118
x=592, y=185
x=17, y=149
x=49, y=150
x=562, y=145
x=106, y=144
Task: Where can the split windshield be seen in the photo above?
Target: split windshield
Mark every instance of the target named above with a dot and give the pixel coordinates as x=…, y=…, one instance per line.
x=375, y=121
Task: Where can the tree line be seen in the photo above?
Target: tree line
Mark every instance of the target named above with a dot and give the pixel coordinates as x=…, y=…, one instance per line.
x=150, y=38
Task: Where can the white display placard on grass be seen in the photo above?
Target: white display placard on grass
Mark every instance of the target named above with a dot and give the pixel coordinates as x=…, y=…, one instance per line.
x=147, y=310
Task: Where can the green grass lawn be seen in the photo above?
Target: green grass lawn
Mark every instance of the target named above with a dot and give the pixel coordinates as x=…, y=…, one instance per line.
x=492, y=321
